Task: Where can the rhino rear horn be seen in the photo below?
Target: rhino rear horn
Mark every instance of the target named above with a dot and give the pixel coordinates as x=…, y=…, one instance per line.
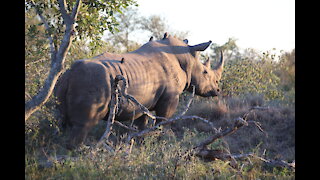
x=207, y=63
x=151, y=38
x=200, y=47
x=219, y=68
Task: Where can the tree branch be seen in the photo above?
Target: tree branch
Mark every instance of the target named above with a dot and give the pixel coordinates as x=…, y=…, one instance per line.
x=57, y=61
x=75, y=10
x=66, y=17
x=239, y=122
x=113, y=110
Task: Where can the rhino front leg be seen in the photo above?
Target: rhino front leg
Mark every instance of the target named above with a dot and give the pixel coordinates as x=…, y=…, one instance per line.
x=141, y=122
x=77, y=136
x=167, y=106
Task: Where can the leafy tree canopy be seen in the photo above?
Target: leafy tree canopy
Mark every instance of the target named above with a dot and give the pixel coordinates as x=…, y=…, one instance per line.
x=94, y=17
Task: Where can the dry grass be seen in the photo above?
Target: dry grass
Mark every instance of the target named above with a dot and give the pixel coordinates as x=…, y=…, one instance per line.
x=159, y=157
x=278, y=122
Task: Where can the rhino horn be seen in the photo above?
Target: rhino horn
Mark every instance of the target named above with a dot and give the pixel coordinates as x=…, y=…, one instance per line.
x=151, y=38
x=200, y=47
x=219, y=68
x=207, y=63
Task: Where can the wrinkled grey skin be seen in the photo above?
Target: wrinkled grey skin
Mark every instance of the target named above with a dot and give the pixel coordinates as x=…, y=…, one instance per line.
x=157, y=73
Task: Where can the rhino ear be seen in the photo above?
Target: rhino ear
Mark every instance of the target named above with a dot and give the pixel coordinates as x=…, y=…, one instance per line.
x=200, y=47
x=165, y=36
x=186, y=41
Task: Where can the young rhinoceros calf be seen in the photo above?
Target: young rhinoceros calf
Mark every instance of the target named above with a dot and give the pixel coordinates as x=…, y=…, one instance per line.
x=156, y=73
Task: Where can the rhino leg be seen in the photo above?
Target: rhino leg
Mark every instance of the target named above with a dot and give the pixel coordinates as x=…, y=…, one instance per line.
x=77, y=136
x=141, y=122
x=167, y=106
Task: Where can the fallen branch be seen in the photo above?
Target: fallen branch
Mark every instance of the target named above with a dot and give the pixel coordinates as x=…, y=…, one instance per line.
x=239, y=122
x=189, y=102
x=125, y=126
x=113, y=110
x=212, y=155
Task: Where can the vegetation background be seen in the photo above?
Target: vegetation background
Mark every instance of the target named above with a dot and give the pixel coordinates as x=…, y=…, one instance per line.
x=250, y=78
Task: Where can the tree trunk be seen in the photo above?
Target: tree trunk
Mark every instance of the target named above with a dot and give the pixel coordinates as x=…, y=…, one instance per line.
x=57, y=58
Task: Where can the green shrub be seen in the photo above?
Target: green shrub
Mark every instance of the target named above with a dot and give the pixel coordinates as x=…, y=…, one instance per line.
x=245, y=76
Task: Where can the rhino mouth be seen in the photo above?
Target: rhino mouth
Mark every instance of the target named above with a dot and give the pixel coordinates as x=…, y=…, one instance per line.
x=210, y=94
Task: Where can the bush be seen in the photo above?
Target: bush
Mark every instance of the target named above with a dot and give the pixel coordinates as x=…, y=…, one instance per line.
x=245, y=76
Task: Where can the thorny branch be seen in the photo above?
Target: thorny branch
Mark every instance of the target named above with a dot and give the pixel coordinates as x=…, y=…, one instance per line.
x=113, y=110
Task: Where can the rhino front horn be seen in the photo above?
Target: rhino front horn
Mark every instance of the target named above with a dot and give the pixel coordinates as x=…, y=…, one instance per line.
x=200, y=47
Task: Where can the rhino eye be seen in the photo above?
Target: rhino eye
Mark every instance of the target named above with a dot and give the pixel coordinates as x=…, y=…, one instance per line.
x=217, y=82
x=205, y=72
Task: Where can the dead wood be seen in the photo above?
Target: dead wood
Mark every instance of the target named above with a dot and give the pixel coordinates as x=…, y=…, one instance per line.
x=113, y=110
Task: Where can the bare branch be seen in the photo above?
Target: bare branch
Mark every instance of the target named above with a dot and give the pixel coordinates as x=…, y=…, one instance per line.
x=258, y=125
x=268, y=162
x=132, y=99
x=124, y=126
x=113, y=111
x=189, y=102
x=75, y=10
x=34, y=62
x=168, y=121
x=238, y=124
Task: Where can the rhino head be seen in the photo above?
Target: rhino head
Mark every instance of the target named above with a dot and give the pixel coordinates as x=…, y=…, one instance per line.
x=203, y=77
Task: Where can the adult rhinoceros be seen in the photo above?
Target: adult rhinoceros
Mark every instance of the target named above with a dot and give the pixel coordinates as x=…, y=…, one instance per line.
x=156, y=73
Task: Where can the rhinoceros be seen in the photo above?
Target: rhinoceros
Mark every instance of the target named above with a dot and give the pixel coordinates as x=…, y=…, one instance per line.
x=156, y=73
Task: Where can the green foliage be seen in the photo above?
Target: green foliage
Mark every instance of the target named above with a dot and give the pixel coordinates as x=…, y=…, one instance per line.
x=251, y=72
x=93, y=19
x=245, y=76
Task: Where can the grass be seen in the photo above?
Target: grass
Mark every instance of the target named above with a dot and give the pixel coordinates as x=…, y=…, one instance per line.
x=162, y=156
